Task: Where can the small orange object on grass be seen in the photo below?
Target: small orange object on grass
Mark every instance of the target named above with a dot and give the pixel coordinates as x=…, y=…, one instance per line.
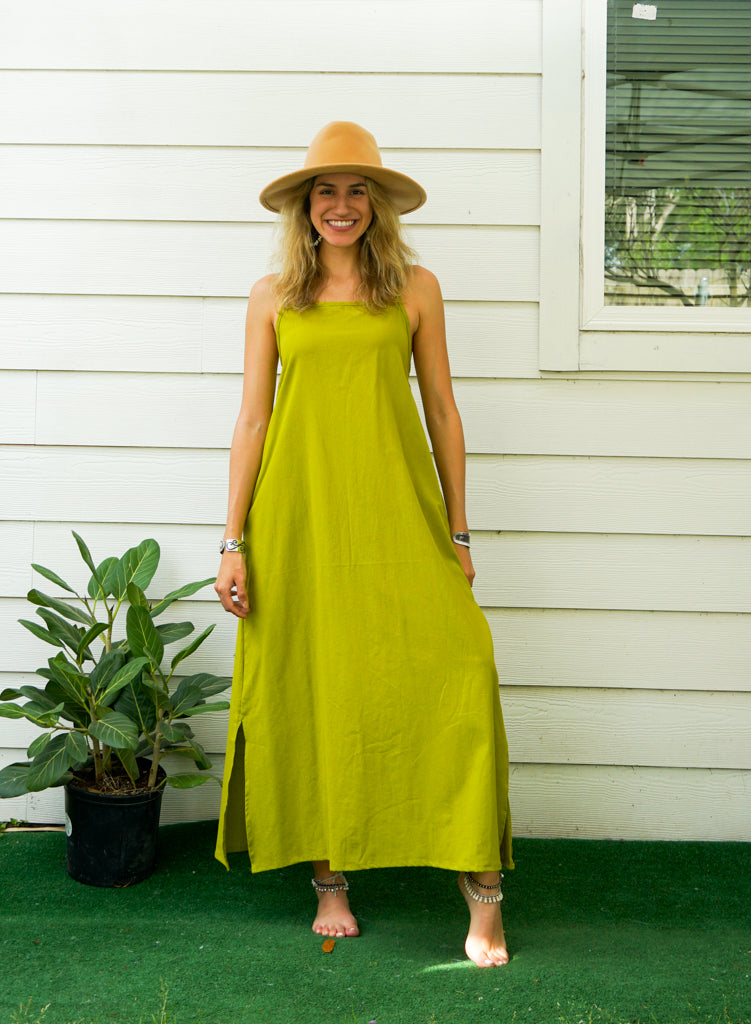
x=328, y=946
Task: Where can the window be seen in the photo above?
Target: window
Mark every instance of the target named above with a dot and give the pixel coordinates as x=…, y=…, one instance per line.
x=677, y=156
x=646, y=163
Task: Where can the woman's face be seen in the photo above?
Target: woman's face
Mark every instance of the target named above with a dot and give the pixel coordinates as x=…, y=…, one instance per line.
x=340, y=208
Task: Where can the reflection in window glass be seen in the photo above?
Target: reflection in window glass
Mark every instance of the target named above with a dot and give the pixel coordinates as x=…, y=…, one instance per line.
x=678, y=153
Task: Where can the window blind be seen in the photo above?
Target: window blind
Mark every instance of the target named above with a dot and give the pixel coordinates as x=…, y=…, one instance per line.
x=678, y=153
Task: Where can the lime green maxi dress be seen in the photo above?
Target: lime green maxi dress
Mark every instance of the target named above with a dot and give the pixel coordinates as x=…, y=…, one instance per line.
x=365, y=724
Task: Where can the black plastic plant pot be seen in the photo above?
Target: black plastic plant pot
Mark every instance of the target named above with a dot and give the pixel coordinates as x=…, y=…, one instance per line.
x=111, y=839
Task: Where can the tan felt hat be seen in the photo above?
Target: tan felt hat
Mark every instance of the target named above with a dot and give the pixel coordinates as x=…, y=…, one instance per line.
x=344, y=146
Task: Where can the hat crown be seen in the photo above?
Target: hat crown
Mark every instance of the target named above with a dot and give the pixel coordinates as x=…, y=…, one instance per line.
x=343, y=142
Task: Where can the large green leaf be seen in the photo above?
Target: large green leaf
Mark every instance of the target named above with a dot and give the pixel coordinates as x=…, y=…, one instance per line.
x=175, y=595
x=72, y=682
x=121, y=678
x=102, y=582
x=109, y=663
x=73, y=711
x=11, y=693
x=60, y=627
x=32, y=712
x=11, y=711
x=77, y=747
x=138, y=566
x=143, y=639
x=39, y=744
x=85, y=553
x=185, y=697
x=137, y=704
x=116, y=731
x=53, y=577
x=41, y=633
x=195, y=752
x=128, y=760
x=202, y=709
x=209, y=684
x=68, y=611
x=199, y=754
x=189, y=780
x=49, y=767
x=40, y=697
x=192, y=646
x=89, y=636
x=175, y=732
x=13, y=780
x=153, y=692
x=137, y=596
x=172, y=631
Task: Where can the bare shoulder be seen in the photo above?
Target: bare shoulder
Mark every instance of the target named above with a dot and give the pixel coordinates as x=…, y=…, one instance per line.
x=264, y=290
x=262, y=301
x=423, y=285
x=422, y=299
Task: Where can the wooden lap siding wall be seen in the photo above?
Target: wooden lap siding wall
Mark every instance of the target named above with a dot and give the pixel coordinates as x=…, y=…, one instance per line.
x=609, y=510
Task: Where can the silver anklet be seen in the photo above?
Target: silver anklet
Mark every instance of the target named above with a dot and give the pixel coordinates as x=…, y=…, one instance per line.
x=473, y=887
x=323, y=885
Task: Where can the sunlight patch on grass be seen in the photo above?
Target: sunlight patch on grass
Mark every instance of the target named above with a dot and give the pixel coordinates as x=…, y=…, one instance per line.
x=453, y=966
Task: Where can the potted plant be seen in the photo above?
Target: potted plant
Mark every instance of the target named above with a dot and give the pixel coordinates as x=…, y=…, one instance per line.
x=110, y=712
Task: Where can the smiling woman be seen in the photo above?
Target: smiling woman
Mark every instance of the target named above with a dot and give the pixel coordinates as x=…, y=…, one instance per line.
x=340, y=209
x=365, y=728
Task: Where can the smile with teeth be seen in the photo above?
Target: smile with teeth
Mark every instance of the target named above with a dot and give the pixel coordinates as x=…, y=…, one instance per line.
x=340, y=223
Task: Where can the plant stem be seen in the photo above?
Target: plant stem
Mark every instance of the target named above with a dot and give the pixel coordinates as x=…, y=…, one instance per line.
x=155, y=755
x=98, y=762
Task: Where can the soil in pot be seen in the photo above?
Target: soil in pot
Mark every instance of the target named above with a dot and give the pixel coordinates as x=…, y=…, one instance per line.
x=112, y=836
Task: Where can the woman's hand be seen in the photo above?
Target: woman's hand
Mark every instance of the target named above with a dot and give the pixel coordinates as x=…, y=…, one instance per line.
x=466, y=559
x=230, y=584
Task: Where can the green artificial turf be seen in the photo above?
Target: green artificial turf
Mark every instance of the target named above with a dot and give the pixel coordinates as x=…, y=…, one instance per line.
x=599, y=933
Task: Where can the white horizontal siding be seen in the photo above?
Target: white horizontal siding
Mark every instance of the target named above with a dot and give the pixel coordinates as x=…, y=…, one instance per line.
x=148, y=258
x=223, y=183
x=233, y=109
x=551, y=417
x=18, y=392
x=514, y=570
x=625, y=572
x=592, y=802
x=540, y=647
x=645, y=728
x=222, y=35
x=557, y=801
x=666, y=352
x=190, y=335
x=513, y=492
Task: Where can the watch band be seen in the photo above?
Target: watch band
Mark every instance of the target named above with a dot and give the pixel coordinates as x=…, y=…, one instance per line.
x=461, y=538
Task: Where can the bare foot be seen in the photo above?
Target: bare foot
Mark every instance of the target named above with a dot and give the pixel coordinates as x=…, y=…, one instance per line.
x=486, y=943
x=334, y=918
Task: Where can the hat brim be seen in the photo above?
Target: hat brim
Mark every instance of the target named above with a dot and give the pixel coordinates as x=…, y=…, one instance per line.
x=405, y=193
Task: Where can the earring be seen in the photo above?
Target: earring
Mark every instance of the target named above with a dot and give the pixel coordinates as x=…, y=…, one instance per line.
x=318, y=241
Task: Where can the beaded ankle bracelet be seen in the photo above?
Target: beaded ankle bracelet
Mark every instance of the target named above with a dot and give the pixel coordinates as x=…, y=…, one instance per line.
x=323, y=885
x=473, y=887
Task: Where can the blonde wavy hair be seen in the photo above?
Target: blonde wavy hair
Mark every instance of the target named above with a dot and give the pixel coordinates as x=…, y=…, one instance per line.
x=385, y=260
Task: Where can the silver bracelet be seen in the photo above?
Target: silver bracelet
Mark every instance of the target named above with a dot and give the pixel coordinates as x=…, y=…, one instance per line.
x=232, y=545
x=461, y=538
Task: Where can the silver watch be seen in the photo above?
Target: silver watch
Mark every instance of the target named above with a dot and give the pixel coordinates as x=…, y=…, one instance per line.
x=232, y=545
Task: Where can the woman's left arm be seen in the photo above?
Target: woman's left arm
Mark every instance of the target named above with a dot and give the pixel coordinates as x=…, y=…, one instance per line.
x=441, y=414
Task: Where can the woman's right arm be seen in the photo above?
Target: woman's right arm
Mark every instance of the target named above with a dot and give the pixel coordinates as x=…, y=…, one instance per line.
x=259, y=380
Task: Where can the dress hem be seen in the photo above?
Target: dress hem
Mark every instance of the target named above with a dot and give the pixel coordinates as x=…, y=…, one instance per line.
x=337, y=868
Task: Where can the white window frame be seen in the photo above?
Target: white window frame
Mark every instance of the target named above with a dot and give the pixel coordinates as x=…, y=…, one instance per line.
x=577, y=330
